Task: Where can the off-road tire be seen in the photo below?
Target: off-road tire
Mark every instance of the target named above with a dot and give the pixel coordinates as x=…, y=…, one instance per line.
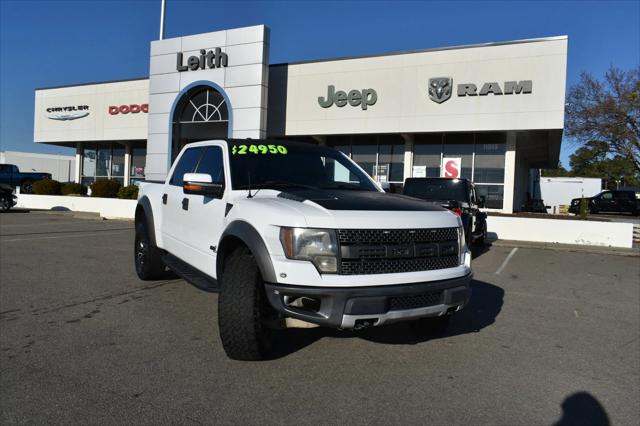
x=26, y=187
x=146, y=256
x=432, y=326
x=243, y=308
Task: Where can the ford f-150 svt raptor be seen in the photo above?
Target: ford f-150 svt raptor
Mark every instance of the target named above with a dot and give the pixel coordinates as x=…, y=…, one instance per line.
x=296, y=230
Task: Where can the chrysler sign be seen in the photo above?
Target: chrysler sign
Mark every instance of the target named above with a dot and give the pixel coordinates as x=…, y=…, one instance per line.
x=67, y=113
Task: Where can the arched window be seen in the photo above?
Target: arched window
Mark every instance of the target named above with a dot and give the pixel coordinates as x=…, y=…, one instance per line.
x=200, y=114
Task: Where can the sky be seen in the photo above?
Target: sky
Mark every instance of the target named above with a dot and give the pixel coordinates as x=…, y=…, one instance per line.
x=49, y=43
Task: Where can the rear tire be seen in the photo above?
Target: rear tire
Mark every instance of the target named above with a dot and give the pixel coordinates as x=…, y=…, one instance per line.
x=243, y=308
x=432, y=326
x=147, y=257
x=26, y=187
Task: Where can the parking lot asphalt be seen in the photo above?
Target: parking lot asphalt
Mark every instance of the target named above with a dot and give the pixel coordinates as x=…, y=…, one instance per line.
x=550, y=337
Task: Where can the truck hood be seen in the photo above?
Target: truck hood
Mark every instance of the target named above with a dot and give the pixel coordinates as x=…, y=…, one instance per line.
x=344, y=209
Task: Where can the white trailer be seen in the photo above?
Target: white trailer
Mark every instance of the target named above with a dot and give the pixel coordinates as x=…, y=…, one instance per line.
x=558, y=191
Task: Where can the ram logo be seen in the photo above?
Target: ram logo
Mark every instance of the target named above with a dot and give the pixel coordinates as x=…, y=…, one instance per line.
x=440, y=89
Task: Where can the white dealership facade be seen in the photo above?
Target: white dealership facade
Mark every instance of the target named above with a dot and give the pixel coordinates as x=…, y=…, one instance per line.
x=497, y=109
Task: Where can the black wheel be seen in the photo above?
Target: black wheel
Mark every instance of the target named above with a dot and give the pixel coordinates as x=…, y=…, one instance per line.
x=482, y=239
x=432, y=326
x=243, y=309
x=5, y=204
x=26, y=187
x=147, y=257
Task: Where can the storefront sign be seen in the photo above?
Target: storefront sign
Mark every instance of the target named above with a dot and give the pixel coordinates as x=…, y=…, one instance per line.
x=451, y=167
x=440, y=88
x=419, y=171
x=68, y=112
x=212, y=59
x=364, y=98
x=381, y=173
x=126, y=109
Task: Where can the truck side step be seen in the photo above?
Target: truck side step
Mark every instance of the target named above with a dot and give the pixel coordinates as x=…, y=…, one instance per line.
x=190, y=274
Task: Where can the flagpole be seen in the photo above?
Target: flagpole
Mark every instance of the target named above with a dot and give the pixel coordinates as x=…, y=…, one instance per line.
x=162, y=8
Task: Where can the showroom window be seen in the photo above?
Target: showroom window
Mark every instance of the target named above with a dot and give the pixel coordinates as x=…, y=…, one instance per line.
x=482, y=156
x=103, y=161
x=382, y=157
x=138, y=159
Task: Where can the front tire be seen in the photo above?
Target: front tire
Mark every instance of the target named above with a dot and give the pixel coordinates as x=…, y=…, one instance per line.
x=5, y=204
x=243, y=309
x=147, y=257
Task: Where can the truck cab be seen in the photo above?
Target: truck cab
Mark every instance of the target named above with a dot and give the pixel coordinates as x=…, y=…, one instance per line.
x=287, y=230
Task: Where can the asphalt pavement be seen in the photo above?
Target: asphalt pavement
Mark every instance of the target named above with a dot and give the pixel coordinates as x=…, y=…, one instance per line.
x=550, y=337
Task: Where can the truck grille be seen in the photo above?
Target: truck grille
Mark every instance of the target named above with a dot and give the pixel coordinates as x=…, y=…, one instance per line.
x=415, y=301
x=378, y=251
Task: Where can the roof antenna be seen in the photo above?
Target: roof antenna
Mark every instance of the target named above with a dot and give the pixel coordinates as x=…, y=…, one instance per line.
x=249, y=183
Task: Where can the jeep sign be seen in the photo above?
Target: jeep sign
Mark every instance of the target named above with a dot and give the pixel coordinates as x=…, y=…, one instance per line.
x=363, y=98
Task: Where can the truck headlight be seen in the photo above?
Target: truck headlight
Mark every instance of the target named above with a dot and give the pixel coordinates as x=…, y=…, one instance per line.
x=319, y=246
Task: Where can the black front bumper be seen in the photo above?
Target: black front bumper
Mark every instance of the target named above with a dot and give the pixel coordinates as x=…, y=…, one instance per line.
x=340, y=307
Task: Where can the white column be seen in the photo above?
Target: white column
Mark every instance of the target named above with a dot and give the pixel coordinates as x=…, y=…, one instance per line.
x=78, y=170
x=408, y=155
x=127, y=165
x=509, y=173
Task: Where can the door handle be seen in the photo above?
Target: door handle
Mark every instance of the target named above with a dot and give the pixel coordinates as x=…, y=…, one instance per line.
x=185, y=204
x=164, y=198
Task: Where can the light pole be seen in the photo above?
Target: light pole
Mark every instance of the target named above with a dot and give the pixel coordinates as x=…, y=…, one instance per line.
x=162, y=8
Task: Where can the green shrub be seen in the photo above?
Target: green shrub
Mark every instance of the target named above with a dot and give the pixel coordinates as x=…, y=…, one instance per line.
x=105, y=188
x=128, y=192
x=74, y=189
x=46, y=187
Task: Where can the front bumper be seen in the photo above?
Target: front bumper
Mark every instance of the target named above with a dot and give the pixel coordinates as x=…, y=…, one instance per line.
x=352, y=307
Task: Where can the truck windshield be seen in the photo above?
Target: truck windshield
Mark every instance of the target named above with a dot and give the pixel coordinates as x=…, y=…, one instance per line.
x=276, y=164
x=436, y=190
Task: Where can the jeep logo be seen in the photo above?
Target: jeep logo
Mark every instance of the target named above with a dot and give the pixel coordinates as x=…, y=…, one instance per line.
x=364, y=98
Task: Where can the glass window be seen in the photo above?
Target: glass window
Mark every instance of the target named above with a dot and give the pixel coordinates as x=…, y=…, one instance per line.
x=138, y=159
x=427, y=151
x=391, y=157
x=89, y=162
x=187, y=164
x=493, y=195
x=365, y=154
x=489, y=161
x=117, y=161
x=460, y=145
x=211, y=164
x=606, y=196
x=103, y=160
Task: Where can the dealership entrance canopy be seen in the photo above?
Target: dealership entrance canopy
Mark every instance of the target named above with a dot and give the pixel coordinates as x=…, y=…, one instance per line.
x=487, y=112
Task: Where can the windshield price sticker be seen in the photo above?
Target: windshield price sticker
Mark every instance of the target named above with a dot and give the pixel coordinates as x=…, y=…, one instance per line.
x=258, y=149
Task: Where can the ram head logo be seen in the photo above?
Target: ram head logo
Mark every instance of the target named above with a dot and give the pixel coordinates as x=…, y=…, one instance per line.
x=440, y=89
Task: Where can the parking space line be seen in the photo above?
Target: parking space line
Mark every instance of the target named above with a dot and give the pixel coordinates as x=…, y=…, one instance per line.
x=504, y=264
x=84, y=234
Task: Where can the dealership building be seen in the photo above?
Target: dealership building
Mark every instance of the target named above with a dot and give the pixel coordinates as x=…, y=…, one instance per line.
x=487, y=112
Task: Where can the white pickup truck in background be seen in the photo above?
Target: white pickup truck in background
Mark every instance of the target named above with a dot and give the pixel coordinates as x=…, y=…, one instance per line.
x=293, y=230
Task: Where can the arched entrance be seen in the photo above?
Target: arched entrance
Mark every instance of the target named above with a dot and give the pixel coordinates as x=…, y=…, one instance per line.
x=200, y=114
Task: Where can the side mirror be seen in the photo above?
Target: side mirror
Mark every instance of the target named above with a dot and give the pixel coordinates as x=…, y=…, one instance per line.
x=201, y=184
x=482, y=202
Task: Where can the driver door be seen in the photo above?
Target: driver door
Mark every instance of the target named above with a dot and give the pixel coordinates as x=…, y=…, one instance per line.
x=204, y=216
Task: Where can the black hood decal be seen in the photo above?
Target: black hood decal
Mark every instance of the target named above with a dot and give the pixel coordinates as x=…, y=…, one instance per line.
x=360, y=200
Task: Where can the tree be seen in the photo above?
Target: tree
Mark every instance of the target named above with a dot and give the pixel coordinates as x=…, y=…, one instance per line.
x=559, y=171
x=593, y=160
x=607, y=111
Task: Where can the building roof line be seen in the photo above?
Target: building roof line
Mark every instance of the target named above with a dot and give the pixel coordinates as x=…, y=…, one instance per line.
x=92, y=83
x=431, y=49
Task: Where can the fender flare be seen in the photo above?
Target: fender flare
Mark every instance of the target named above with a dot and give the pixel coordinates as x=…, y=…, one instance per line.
x=251, y=238
x=147, y=213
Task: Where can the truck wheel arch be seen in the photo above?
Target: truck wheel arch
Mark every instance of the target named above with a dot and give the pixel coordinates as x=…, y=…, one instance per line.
x=240, y=232
x=144, y=213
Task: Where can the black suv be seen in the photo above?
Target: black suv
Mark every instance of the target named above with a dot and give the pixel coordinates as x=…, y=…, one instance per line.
x=457, y=195
x=609, y=202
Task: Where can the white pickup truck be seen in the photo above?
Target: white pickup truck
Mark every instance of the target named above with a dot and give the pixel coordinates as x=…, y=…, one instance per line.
x=288, y=232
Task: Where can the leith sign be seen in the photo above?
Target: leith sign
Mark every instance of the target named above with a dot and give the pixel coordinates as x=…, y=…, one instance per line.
x=215, y=58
